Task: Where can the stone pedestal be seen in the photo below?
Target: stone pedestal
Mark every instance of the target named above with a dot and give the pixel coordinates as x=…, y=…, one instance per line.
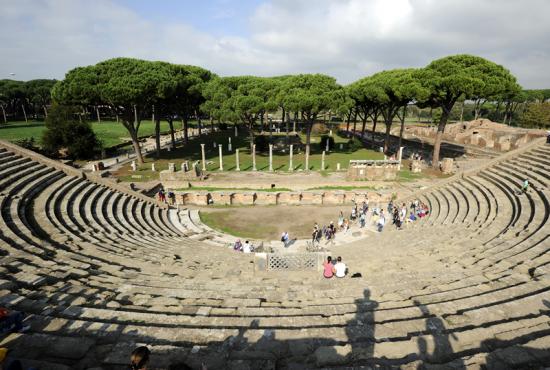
x=153, y=168
x=237, y=168
x=447, y=166
x=323, y=161
x=416, y=166
x=134, y=166
x=171, y=167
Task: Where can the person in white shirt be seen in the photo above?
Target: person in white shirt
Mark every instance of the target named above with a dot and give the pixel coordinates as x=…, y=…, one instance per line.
x=340, y=268
x=246, y=247
x=285, y=238
x=381, y=221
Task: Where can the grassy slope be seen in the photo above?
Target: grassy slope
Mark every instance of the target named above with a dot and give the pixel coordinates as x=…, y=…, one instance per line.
x=109, y=132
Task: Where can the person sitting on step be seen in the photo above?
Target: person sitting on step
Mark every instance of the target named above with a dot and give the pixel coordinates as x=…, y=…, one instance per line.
x=340, y=269
x=247, y=248
x=525, y=186
x=11, y=321
x=140, y=358
x=328, y=268
x=238, y=246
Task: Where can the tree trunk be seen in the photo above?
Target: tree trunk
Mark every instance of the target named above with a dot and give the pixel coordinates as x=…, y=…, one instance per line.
x=374, y=122
x=462, y=112
x=308, y=129
x=364, y=119
x=135, y=144
x=4, y=113
x=388, y=123
x=98, y=116
x=199, y=123
x=172, y=135
x=45, y=111
x=439, y=136
x=270, y=129
x=212, y=123
x=262, y=122
x=185, y=129
x=402, y=128
x=251, y=135
x=24, y=113
x=348, y=119
x=157, y=136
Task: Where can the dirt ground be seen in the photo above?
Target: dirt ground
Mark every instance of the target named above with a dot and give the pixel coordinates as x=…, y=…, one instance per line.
x=268, y=222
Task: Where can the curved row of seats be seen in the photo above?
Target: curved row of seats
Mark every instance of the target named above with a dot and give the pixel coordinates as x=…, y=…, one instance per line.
x=98, y=272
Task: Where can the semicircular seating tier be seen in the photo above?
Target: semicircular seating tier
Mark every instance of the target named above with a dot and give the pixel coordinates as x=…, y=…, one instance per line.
x=98, y=271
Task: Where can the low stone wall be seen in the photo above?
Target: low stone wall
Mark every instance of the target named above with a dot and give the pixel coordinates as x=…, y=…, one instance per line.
x=382, y=170
x=248, y=198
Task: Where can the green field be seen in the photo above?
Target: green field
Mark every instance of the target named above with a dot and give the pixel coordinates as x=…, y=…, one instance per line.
x=192, y=152
x=109, y=132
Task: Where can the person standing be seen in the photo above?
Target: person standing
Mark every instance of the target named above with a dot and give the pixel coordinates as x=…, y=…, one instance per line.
x=285, y=238
x=381, y=221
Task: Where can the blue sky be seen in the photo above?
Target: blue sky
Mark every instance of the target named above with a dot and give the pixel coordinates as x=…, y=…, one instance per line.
x=347, y=39
x=218, y=17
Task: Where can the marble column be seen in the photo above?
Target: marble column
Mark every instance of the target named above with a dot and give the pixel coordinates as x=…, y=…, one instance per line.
x=238, y=168
x=270, y=157
x=323, y=161
x=253, y=157
x=290, y=167
x=400, y=157
x=203, y=158
x=221, y=157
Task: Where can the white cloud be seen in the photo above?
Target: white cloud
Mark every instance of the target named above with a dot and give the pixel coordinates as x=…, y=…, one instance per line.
x=347, y=38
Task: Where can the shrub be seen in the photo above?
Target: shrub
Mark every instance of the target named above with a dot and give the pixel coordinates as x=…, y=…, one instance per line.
x=28, y=143
x=65, y=132
x=323, y=143
x=355, y=144
x=262, y=143
x=222, y=126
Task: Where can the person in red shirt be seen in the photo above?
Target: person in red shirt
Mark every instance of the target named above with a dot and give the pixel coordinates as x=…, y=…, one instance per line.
x=11, y=321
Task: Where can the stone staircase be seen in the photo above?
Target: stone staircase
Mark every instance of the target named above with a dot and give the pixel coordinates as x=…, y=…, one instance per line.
x=98, y=271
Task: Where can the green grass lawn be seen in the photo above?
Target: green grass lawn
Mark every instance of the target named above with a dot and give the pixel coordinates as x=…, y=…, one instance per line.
x=192, y=152
x=109, y=132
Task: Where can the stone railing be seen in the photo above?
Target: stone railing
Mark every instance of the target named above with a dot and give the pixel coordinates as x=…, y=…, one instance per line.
x=475, y=170
x=289, y=261
x=71, y=171
x=236, y=197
